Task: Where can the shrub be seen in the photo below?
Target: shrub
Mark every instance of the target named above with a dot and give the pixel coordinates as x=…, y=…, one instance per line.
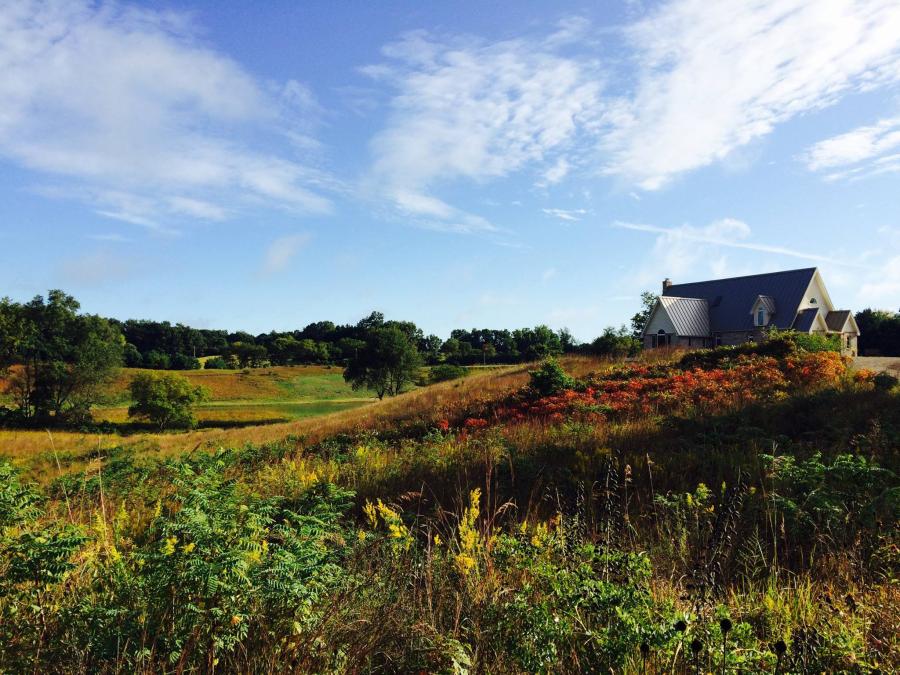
x=165, y=400
x=550, y=379
x=885, y=381
x=156, y=360
x=216, y=363
x=831, y=503
x=184, y=362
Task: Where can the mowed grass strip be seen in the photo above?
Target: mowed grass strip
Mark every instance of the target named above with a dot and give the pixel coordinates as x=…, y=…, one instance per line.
x=274, y=384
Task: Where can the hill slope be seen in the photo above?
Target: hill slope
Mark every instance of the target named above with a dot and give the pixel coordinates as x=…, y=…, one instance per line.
x=730, y=508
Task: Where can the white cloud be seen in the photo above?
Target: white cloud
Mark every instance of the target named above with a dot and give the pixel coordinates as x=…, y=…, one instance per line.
x=114, y=100
x=714, y=76
x=548, y=274
x=570, y=215
x=863, y=151
x=727, y=232
x=556, y=172
x=469, y=109
x=282, y=251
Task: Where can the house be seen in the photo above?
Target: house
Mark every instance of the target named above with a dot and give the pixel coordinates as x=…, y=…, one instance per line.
x=743, y=309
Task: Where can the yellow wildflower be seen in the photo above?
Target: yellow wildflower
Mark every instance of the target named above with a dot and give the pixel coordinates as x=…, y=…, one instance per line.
x=371, y=514
x=169, y=548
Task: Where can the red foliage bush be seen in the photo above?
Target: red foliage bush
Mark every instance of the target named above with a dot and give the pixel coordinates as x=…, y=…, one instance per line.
x=640, y=391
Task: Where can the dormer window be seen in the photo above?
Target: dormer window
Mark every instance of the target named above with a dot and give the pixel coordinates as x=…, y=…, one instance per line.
x=762, y=310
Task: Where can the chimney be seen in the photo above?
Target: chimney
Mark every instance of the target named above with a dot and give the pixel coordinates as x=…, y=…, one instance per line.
x=666, y=283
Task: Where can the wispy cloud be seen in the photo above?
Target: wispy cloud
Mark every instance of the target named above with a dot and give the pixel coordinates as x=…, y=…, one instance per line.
x=864, y=151
x=114, y=100
x=464, y=108
x=714, y=76
x=109, y=236
x=281, y=251
x=727, y=232
x=570, y=215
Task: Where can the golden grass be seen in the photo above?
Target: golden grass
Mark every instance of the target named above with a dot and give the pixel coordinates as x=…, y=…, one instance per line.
x=31, y=449
x=233, y=384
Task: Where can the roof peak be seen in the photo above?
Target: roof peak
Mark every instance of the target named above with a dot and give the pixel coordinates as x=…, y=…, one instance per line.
x=748, y=276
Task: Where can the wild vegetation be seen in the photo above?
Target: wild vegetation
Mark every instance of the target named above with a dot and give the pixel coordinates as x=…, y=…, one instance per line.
x=719, y=511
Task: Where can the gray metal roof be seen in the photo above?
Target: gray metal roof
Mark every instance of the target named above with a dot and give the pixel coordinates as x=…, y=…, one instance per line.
x=689, y=315
x=730, y=300
x=805, y=319
x=837, y=319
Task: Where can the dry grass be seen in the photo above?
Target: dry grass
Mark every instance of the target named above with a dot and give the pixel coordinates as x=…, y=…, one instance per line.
x=223, y=385
x=32, y=450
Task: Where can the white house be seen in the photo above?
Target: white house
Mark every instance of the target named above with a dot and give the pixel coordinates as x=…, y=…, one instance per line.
x=742, y=309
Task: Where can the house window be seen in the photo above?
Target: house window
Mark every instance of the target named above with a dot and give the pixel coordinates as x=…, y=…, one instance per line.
x=717, y=339
x=662, y=339
x=761, y=317
x=848, y=342
x=812, y=301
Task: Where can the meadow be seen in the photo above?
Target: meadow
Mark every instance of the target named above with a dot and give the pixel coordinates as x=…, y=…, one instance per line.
x=733, y=510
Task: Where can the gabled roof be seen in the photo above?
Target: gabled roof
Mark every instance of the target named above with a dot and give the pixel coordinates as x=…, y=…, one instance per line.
x=768, y=302
x=730, y=300
x=805, y=320
x=690, y=316
x=836, y=320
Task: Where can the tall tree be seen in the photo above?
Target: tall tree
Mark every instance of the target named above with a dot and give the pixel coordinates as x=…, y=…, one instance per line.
x=386, y=364
x=639, y=320
x=66, y=358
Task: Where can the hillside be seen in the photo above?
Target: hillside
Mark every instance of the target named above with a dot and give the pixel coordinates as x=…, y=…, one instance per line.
x=653, y=516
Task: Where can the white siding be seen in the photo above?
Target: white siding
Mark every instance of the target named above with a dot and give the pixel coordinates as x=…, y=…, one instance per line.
x=660, y=321
x=817, y=292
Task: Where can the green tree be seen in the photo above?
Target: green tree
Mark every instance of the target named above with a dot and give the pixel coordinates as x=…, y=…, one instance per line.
x=615, y=342
x=248, y=354
x=66, y=358
x=388, y=362
x=165, y=399
x=639, y=320
x=537, y=343
x=879, y=332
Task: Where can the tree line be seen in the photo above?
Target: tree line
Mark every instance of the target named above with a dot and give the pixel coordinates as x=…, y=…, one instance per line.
x=879, y=332
x=163, y=346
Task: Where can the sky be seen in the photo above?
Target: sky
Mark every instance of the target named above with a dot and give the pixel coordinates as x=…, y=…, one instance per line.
x=260, y=166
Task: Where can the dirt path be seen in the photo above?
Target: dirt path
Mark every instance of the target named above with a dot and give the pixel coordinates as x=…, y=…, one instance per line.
x=890, y=364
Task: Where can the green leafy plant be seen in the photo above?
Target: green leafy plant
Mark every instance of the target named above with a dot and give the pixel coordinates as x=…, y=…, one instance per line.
x=165, y=400
x=550, y=379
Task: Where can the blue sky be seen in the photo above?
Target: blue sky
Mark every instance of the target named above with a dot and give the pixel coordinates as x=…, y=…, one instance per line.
x=263, y=165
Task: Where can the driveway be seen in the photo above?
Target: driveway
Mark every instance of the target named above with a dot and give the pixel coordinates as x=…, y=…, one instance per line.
x=890, y=364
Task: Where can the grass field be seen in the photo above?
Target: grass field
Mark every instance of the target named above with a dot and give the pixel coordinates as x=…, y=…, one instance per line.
x=512, y=528
x=257, y=396
x=44, y=456
x=246, y=397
